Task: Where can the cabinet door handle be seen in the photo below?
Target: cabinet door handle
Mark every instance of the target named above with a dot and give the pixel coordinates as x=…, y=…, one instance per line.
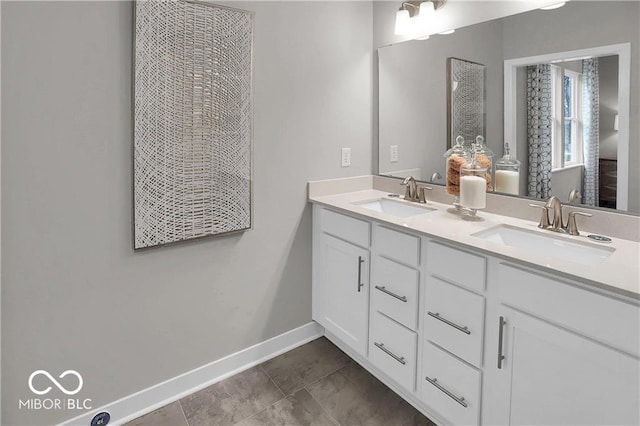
x=500, y=337
x=400, y=359
x=360, y=262
x=392, y=294
x=437, y=316
x=460, y=400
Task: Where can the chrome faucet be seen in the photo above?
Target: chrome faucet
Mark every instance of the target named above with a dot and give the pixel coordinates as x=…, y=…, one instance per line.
x=555, y=206
x=574, y=196
x=411, y=193
x=415, y=192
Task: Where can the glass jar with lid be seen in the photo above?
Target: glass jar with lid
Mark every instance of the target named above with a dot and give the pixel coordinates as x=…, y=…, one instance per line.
x=473, y=183
x=456, y=156
x=507, y=174
x=484, y=156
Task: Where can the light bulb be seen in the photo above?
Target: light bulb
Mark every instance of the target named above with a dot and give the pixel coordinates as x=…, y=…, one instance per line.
x=403, y=22
x=427, y=9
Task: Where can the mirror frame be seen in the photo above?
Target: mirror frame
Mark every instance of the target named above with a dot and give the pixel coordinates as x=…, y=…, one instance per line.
x=623, y=50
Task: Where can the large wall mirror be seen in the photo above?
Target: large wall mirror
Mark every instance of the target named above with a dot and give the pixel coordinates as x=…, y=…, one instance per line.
x=585, y=57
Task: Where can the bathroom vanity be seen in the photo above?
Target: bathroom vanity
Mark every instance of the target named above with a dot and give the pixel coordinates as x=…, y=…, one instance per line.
x=470, y=329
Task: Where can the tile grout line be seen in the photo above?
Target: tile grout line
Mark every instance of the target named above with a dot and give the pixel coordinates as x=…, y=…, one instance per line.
x=324, y=410
x=273, y=381
x=325, y=376
x=268, y=406
x=183, y=413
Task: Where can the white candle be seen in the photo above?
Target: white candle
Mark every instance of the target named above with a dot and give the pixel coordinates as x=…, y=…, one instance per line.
x=473, y=192
x=507, y=181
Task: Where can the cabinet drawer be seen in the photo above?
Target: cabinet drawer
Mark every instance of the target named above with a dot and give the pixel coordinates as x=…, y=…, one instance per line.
x=392, y=348
x=398, y=246
x=457, y=266
x=452, y=388
x=454, y=319
x=594, y=315
x=345, y=227
x=394, y=291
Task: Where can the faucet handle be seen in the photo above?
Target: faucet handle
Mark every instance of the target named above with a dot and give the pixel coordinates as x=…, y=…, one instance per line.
x=544, y=215
x=572, y=226
x=422, y=193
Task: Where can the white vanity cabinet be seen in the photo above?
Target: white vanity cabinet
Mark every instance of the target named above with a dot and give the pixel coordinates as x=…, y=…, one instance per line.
x=395, y=282
x=453, y=333
x=560, y=353
x=341, y=277
x=469, y=337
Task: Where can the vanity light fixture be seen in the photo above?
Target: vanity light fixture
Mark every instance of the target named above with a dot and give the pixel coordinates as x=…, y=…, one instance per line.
x=553, y=6
x=414, y=15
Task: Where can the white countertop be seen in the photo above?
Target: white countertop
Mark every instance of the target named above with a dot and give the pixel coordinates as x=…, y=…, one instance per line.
x=620, y=272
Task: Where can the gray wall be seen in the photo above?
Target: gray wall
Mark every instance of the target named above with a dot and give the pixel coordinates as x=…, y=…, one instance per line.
x=74, y=294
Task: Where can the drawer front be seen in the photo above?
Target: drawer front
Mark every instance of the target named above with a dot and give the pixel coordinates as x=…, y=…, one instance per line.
x=394, y=291
x=597, y=316
x=453, y=388
x=345, y=227
x=393, y=349
x=454, y=319
x=457, y=266
x=398, y=246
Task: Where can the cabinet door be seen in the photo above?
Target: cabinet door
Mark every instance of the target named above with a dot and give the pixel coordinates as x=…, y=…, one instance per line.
x=345, y=292
x=556, y=376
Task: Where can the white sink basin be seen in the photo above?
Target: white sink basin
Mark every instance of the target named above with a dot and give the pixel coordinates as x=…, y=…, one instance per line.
x=394, y=207
x=549, y=245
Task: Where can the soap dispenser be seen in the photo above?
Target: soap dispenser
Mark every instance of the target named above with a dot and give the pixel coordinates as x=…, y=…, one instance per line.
x=507, y=173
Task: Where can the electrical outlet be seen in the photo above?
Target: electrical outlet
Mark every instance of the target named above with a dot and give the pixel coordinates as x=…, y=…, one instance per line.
x=394, y=154
x=346, y=157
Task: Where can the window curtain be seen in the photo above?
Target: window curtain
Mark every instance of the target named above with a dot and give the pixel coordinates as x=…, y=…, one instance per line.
x=590, y=130
x=539, y=130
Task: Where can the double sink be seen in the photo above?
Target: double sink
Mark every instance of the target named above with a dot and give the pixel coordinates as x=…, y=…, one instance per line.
x=537, y=242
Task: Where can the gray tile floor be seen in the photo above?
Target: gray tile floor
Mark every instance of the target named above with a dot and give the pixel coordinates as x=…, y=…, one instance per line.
x=315, y=384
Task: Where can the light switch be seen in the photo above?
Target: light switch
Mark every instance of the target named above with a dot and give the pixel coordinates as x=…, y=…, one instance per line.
x=394, y=154
x=346, y=157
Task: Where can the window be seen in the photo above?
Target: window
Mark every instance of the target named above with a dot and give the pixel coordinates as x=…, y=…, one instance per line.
x=567, y=122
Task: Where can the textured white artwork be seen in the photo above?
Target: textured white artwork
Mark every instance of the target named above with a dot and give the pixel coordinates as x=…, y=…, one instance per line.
x=192, y=121
x=466, y=100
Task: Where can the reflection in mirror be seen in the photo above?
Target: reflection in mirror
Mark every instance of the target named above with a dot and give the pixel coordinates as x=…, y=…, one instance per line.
x=465, y=100
x=561, y=111
x=413, y=98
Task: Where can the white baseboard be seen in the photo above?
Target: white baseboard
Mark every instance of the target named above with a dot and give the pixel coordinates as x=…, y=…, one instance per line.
x=147, y=400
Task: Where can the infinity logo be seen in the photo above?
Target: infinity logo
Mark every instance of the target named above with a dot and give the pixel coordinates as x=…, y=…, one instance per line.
x=55, y=382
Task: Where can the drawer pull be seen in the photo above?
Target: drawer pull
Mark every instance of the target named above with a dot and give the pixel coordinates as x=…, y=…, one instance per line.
x=500, y=337
x=392, y=294
x=360, y=262
x=437, y=316
x=460, y=400
x=400, y=359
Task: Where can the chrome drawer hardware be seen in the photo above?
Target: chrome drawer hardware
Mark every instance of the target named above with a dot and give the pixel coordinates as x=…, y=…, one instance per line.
x=360, y=262
x=400, y=359
x=437, y=316
x=390, y=293
x=460, y=400
x=500, y=336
